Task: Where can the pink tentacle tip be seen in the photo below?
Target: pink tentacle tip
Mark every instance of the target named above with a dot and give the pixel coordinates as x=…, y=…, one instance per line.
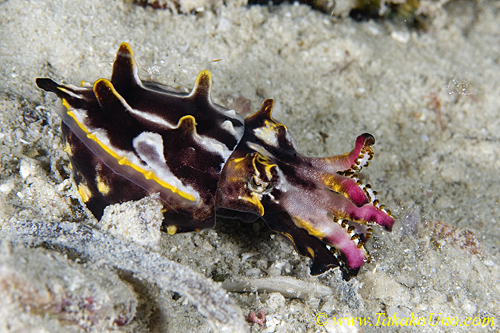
x=259, y=318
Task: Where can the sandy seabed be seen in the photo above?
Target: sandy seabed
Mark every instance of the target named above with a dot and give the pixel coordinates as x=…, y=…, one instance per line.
x=431, y=98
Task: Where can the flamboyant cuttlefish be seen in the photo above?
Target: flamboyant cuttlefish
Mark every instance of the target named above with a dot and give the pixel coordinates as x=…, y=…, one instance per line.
x=127, y=138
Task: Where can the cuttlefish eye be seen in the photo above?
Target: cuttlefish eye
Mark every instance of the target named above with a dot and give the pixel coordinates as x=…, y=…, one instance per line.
x=257, y=185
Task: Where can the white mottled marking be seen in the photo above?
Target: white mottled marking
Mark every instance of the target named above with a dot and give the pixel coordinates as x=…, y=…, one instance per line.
x=102, y=136
x=144, y=115
x=261, y=150
x=69, y=92
x=267, y=135
x=153, y=141
x=73, y=87
x=236, y=132
x=155, y=160
x=213, y=145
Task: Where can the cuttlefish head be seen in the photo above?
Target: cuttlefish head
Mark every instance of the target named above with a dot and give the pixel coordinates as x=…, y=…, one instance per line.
x=319, y=204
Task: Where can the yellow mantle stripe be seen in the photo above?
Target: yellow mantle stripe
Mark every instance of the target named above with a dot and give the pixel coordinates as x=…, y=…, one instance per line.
x=254, y=198
x=308, y=226
x=122, y=160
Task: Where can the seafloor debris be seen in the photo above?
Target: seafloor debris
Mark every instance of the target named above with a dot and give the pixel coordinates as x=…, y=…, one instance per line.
x=138, y=221
x=410, y=221
x=259, y=318
x=461, y=238
x=287, y=286
x=239, y=103
x=42, y=289
x=183, y=6
x=413, y=13
x=105, y=250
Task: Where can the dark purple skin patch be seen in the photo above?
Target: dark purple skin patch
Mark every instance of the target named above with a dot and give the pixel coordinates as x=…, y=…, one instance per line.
x=127, y=139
